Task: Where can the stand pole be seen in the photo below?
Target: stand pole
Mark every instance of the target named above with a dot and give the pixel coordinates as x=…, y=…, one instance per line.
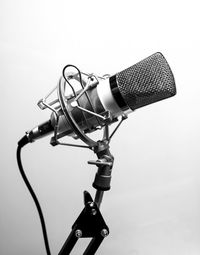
x=98, y=197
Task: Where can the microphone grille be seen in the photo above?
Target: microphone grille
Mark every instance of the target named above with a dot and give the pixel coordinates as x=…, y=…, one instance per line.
x=146, y=82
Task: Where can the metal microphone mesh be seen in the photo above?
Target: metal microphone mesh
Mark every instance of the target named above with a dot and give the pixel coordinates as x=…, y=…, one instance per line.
x=146, y=82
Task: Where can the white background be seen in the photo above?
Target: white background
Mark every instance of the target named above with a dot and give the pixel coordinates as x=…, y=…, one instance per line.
x=153, y=206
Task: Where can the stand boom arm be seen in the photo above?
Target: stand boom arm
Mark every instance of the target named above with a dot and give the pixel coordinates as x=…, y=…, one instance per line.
x=89, y=224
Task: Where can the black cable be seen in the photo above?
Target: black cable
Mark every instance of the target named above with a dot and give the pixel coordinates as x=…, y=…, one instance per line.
x=21, y=143
x=79, y=73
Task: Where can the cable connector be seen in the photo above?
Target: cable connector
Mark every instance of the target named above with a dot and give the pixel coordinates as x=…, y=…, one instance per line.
x=23, y=141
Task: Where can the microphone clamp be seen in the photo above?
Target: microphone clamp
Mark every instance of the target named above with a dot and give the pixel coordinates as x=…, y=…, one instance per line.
x=67, y=100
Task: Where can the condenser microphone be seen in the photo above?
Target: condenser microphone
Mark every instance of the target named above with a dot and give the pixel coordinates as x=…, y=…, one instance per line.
x=97, y=103
x=146, y=82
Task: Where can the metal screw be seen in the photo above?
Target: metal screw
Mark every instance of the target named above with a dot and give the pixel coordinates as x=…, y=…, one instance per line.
x=78, y=233
x=91, y=204
x=93, y=212
x=104, y=232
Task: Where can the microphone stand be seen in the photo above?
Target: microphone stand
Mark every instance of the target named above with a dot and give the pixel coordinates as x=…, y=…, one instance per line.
x=90, y=222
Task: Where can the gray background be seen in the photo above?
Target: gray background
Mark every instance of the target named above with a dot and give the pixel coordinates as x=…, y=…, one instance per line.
x=153, y=206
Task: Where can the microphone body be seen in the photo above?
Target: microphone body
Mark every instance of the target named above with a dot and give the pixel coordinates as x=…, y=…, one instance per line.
x=146, y=82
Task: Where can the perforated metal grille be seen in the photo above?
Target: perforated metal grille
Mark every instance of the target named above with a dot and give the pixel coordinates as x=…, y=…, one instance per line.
x=146, y=82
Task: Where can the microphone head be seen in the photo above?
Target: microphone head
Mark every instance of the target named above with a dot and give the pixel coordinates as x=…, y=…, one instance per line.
x=146, y=82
